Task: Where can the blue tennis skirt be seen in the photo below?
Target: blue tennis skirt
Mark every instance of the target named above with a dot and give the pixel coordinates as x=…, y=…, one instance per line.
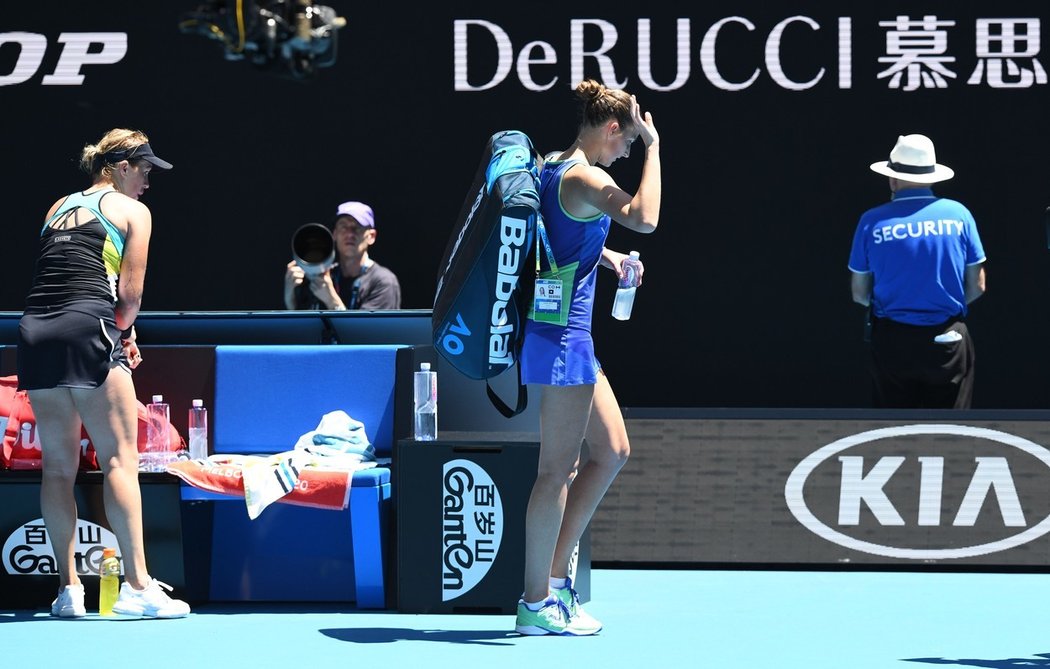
x=554, y=355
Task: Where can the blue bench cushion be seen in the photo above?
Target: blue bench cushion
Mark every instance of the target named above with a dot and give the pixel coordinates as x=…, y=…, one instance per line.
x=375, y=476
x=266, y=397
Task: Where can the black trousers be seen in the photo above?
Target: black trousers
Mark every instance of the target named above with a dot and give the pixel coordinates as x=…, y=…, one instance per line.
x=911, y=370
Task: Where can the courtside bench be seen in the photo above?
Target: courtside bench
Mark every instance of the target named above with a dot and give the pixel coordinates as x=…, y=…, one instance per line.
x=266, y=397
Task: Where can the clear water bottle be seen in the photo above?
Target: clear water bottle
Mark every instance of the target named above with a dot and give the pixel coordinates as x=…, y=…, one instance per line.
x=158, y=436
x=109, y=583
x=624, y=300
x=426, y=397
x=198, y=429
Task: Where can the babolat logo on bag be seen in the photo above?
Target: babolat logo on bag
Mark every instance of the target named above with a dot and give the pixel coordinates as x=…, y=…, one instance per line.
x=479, y=305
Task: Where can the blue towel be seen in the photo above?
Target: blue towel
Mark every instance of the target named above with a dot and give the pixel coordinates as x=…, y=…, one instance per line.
x=338, y=434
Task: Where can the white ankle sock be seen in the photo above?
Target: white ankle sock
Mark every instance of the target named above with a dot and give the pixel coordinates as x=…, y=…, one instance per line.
x=559, y=583
x=536, y=606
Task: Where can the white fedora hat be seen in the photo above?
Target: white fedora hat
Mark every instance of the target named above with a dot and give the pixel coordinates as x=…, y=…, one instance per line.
x=913, y=159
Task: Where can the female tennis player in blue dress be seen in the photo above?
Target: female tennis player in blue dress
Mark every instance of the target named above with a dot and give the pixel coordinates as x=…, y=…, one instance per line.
x=579, y=201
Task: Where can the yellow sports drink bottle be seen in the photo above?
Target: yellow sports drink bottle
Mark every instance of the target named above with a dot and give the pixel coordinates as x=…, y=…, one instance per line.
x=109, y=585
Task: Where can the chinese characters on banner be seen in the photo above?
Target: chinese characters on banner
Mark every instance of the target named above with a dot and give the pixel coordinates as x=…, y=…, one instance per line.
x=1006, y=50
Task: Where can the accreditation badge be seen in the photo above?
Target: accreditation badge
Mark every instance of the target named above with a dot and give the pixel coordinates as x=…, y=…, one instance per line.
x=548, y=297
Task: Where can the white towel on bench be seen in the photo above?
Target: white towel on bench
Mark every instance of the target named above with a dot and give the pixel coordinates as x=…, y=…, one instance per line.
x=339, y=442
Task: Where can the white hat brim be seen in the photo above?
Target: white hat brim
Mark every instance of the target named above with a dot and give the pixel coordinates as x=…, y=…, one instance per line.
x=939, y=173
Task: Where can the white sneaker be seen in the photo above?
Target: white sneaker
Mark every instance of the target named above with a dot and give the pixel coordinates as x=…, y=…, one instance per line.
x=152, y=602
x=69, y=603
x=579, y=620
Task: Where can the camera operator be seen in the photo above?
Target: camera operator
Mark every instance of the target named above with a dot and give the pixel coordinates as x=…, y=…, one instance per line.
x=355, y=281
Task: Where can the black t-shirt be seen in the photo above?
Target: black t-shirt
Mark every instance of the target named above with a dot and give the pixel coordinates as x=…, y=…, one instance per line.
x=375, y=288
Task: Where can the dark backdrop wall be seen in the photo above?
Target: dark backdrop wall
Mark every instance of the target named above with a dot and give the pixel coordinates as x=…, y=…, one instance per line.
x=746, y=299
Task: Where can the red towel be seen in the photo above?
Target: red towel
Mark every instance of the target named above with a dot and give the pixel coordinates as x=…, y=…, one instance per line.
x=318, y=487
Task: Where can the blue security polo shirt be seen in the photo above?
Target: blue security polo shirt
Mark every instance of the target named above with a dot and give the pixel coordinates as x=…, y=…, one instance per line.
x=917, y=247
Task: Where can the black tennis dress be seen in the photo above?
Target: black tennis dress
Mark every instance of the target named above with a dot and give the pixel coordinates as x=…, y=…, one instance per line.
x=68, y=335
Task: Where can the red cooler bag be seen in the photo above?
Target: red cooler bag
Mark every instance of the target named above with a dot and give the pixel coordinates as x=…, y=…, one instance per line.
x=21, y=445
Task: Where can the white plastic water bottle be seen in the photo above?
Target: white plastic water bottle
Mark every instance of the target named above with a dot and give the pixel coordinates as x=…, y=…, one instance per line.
x=158, y=436
x=198, y=429
x=624, y=300
x=426, y=397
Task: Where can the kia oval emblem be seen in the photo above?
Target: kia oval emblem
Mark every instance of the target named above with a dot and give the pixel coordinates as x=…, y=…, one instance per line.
x=794, y=492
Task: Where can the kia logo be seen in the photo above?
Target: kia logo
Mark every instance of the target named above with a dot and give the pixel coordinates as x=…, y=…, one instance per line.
x=990, y=489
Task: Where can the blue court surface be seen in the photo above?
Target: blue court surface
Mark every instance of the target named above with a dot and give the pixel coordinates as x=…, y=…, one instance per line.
x=718, y=619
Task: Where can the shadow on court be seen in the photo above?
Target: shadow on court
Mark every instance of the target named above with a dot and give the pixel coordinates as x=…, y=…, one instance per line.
x=392, y=634
x=25, y=616
x=1043, y=660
